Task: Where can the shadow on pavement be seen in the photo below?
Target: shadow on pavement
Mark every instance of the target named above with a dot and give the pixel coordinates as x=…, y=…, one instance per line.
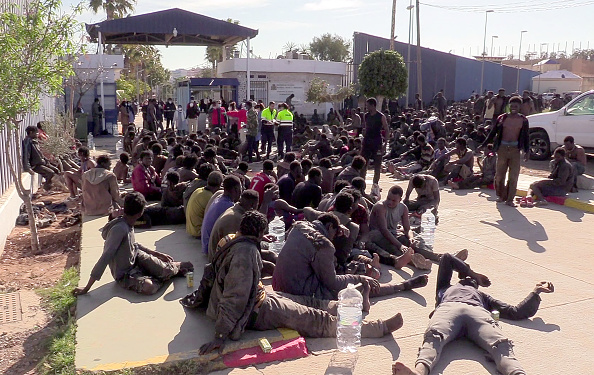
x=99, y=296
x=342, y=363
x=516, y=225
x=463, y=349
x=536, y=324
x=572, y=214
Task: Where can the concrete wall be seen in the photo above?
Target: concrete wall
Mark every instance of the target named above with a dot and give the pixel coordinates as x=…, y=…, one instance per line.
x=276, y=79
x=556, y=85
x=10, y=204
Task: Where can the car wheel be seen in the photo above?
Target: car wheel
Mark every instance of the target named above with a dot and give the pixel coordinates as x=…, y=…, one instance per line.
x=540, y=146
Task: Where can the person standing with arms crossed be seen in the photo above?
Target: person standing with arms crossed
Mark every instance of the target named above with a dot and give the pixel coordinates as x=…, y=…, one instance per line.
x=373, y=141
x=509, y=136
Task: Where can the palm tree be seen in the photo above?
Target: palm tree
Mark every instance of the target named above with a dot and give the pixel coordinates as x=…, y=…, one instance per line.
x=113, y=8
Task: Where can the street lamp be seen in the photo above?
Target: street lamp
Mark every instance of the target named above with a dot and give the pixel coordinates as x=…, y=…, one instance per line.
x=484, y=51
x=409, y=8
x=519, y=59
x=492, y=38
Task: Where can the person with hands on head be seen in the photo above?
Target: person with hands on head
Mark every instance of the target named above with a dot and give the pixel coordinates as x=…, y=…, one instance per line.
x=132, y=265
x=462, y=310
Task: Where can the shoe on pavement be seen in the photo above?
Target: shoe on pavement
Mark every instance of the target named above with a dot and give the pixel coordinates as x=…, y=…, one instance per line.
x=420, y=262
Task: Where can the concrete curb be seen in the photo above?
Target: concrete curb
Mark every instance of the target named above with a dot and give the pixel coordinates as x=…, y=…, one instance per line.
x=564, y=201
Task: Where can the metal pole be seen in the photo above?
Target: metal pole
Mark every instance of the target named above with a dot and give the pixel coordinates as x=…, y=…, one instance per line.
x=419, y=65
x=101, y=79
x=484, y=52
x=137, y=87
x=247, y=69
x=519, y=60
x=493, y=37
x=392, y=31
x=409, y=8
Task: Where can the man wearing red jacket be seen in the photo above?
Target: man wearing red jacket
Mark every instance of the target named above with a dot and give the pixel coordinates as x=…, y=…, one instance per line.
x=145, y=179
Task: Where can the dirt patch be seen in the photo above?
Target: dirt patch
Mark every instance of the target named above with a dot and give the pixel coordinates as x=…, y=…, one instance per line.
x=23, y=344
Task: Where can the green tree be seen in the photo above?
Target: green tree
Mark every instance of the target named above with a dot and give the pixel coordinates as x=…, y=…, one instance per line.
x=36, y=48
x=319, y=92
x=214, y=54
x=382, y=74
x=113, y=8
x=330, y=48
x=131, y=88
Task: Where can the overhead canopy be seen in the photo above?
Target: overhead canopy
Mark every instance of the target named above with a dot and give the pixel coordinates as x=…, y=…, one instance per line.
x=157, y=28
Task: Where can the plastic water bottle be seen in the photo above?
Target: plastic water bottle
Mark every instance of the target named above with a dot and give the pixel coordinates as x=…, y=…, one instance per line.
x=90, y=142
x=348, y=326
x=119, y=148
x=276, y=228
x=428, y=228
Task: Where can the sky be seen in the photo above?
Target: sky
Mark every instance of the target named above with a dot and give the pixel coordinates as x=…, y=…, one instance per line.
x=456, y=26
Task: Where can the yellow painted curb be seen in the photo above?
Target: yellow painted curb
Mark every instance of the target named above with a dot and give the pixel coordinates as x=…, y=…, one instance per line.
x=580, y=205
x=521, y=193
x=287, y=334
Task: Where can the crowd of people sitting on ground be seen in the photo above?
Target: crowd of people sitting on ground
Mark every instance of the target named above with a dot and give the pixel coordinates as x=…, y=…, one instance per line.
x=337, y=231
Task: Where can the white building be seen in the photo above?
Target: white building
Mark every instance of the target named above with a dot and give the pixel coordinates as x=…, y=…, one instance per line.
x=557, y=81
x=276, y=79
x=89, y=69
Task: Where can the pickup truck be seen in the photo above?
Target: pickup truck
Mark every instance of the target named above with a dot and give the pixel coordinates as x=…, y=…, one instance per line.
x=576, y=118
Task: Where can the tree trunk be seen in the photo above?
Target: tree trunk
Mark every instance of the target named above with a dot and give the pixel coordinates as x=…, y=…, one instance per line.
x=380, y=102
x=336, y=106
x=24, y=194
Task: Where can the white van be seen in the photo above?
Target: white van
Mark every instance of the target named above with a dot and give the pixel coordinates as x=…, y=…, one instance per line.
x=576, y=118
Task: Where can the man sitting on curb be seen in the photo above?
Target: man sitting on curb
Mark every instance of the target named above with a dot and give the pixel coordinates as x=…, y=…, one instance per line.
x=238, y=300
x=132, y=265
x=560, y=180
x=464, y=311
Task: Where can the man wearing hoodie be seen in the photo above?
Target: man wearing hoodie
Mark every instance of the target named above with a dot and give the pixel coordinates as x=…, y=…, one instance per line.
x=100, y=189
x=132, y=265
x=33, y=159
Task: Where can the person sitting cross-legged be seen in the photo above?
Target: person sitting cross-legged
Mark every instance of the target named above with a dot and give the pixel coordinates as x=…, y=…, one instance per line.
x=145, y=179
x=306, y=264
x=100, y=189
x=238, y=300
x=462, y=310
x=393, y=244
x=132, y=265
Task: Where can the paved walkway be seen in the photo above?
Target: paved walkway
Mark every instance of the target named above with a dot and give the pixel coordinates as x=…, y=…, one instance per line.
x=515, y=247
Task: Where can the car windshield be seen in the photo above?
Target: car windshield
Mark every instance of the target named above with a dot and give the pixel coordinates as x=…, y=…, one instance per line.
x=583, y=106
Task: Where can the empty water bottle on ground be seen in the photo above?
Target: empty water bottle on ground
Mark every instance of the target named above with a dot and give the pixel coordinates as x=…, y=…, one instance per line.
x=90, y=141
x=350, y=316
x=119, y=148
x=276, y=228
x=428, y=228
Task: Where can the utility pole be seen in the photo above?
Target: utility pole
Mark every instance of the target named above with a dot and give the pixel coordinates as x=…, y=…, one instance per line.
x=419, y=65
x=410, y=18
x=393, y=30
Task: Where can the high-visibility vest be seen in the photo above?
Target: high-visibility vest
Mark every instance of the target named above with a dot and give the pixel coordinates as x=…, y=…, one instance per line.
x=285, y=117
x=268, y=115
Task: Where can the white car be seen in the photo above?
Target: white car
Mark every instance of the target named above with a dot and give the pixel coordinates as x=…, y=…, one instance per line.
x=576, y=118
